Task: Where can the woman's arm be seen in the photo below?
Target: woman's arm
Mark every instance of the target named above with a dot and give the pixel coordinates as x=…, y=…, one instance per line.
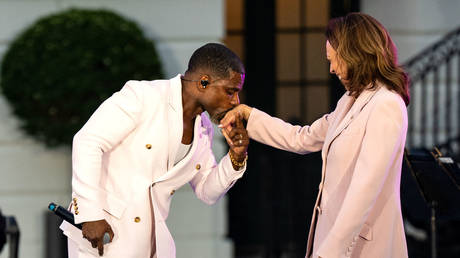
x=279, y=134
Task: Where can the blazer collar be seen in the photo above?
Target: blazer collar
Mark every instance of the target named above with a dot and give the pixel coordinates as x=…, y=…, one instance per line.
x=175, y=94
x=175, y=118
x=349, y=113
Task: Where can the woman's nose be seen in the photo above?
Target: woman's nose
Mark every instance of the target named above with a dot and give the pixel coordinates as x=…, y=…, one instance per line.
x=331, y=70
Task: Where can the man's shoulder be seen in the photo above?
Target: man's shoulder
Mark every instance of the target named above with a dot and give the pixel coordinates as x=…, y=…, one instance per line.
x=149, y=86
x=155, y=91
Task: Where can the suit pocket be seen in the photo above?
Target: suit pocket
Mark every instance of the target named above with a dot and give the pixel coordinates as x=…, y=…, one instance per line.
x=114, y=206
x=75, y=235
x=366, y=232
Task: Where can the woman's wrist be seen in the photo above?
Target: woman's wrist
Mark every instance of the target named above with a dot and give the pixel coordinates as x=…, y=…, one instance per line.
x=246, y=111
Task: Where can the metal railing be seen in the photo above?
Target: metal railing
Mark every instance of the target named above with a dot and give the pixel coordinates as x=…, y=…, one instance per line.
x=434, y=112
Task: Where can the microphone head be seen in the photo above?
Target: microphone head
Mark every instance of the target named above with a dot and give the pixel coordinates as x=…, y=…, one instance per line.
x=106, y=238
x=52, y=206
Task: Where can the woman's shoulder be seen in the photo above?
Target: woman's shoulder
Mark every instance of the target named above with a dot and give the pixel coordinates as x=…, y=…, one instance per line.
x=385, y=95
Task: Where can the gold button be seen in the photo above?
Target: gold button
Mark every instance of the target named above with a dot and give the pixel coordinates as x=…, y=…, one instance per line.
x=76, y=212
x=198, y=166
x=173, y=191
x=148, y=146
x=137, y=219
x=74, y=199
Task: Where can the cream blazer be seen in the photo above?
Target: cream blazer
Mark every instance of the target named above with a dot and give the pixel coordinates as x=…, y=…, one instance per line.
x=357, y=211
x=122, y=161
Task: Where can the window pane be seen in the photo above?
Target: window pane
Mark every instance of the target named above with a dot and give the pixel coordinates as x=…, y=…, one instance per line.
x=236, y=44
x=317, y=13
x=288, y=102
x=287, y=57
x=317, y=102
x=234, y=14
x=287, y=13
x=316, y=62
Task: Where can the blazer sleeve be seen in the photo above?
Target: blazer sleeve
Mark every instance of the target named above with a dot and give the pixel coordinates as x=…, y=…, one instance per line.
x=212, y=182
x=381, y=147
x=109, y=125
x=294, y=138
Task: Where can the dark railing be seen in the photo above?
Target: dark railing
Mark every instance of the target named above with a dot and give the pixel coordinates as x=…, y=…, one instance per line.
x=434, y=112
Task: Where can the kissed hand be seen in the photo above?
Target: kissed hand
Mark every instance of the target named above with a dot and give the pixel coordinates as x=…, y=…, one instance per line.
x=229, y=119
x=238, y=140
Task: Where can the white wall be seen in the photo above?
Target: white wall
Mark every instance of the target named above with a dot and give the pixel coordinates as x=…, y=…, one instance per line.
x=32, y=176
x=414, y=24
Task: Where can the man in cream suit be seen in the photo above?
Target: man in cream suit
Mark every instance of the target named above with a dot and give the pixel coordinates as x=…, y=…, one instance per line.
x=145, y=142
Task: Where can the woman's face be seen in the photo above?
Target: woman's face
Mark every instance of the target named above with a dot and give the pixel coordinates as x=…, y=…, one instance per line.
x=336, y=66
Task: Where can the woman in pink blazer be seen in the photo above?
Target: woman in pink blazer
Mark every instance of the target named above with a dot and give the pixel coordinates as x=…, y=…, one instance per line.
x=357, y=211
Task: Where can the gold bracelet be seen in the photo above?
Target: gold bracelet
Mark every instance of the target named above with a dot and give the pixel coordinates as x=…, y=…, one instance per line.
x=236, y=163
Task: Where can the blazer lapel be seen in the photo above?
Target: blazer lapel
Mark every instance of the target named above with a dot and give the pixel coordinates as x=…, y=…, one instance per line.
x=175, y=119
x=196, y=143
x=342, y=112
x=347, y=117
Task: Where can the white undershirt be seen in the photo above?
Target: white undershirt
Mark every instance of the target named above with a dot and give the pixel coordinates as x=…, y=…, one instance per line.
x=182, y=151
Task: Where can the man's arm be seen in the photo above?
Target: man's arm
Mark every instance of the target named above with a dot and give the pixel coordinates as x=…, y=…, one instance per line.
x=215, y=180
x=109, y=125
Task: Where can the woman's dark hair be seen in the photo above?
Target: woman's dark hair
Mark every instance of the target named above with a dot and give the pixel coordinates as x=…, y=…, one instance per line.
x=369, y=54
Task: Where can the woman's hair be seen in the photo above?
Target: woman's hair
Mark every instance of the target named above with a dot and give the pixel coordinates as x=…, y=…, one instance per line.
x=368, y=52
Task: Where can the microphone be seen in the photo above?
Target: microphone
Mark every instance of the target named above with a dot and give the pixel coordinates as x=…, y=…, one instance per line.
x=68, y=216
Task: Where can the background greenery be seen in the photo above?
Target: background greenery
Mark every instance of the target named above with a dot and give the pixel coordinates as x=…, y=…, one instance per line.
x=60, y=69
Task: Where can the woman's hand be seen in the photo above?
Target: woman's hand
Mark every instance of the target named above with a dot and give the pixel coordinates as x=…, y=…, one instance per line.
x=229, y=120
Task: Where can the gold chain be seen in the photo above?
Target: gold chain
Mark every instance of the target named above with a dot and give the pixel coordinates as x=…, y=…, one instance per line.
x=236, y=163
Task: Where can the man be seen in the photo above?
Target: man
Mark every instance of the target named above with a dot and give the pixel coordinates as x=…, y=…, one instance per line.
x=145, y=142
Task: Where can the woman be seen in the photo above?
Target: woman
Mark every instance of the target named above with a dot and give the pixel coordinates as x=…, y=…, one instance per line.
x=357, y=212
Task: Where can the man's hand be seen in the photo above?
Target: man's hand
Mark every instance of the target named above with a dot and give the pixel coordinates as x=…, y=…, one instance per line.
x=238, y=140
x=94, y=232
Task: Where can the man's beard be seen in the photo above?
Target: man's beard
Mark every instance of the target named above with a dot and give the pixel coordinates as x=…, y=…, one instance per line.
x=217, y=117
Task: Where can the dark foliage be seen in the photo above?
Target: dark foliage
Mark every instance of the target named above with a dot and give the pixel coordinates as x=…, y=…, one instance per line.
x=59, y=70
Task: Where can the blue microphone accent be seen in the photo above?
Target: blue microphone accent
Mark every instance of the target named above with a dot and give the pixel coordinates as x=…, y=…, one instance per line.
x=68, y=216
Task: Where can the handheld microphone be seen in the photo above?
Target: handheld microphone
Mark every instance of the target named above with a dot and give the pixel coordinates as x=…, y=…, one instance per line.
x=68, y=216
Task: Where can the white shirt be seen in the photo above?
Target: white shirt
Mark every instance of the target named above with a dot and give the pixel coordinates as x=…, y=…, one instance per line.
x=182, y=151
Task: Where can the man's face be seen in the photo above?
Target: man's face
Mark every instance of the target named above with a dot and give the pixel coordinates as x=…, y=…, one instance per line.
x=222, y=95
